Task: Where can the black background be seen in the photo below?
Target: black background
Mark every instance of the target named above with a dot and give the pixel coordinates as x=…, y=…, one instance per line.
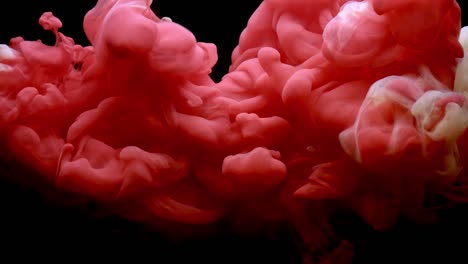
x=31, y=226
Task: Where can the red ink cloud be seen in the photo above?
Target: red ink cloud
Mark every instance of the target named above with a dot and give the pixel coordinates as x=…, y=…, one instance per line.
x=349, y=101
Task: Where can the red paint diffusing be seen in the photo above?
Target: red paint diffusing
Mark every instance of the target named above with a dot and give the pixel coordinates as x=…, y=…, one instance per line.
x=345, y=101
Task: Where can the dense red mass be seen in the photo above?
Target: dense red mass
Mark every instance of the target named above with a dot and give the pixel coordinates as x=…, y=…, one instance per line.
x=330, y=100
